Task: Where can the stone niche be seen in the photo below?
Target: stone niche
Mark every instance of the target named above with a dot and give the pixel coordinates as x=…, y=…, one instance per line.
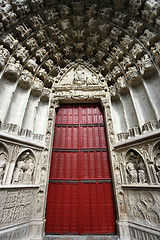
x=135, y=168
x=24, y=169
x=138, y=163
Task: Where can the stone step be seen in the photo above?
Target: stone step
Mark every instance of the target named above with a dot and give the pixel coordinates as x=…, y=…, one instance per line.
x=84, y=237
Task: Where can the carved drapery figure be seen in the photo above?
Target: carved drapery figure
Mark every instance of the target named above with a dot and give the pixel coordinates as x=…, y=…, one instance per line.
x=19, y=173
x=24, y=170
x=28, y=174
x=142, y=172
x=132, y=172
x=2, y=169
x=79, y=77
x=135, y=168
x=3, y=162
x=157, y=164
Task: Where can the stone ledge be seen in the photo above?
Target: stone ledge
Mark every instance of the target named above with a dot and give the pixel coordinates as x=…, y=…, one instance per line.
x=17, y=186
x=137, y=139
x=141, y=186
x=20, y=140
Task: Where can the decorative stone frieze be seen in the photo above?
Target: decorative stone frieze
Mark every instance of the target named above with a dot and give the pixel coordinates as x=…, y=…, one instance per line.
x=10, y=42
x=151, y=10
x=148, y=38
x=115, y=33
x=127, y=42
x=41, y=54
x=137, y=51
x=31, y=44
x=4, y=55
x=36, y=22
x=23, y=31
x=145, y=65
x=135, y=27
x=132, y=73
x=25, y=79
x=21, y=53
x=51, y=15
x=31, y=65
x=21, y=8
x=13, y=70
x=155, y=50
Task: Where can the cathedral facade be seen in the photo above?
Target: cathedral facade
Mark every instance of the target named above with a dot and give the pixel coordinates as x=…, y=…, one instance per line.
x=79, y=118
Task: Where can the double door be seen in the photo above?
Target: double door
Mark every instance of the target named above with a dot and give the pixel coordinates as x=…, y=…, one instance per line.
x=80, y=196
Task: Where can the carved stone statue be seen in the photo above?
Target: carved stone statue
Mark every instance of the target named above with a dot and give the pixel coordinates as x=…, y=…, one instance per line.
x=28, y=174
x=24, y=170
x=79, y=77
x=132, y=172
x=157, y=164
x=142, y=172
x=3, y=161
x=4, y=55
x=2, y=169
x=93, y=80
x=18, y=174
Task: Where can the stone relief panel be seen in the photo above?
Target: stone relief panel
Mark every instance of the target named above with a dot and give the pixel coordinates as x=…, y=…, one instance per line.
x=24, y=169
x=143, y=207
x=3, y=162
x=16, y=205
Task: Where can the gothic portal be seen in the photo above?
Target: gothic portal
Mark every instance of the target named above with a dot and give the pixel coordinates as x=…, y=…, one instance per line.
x=80, y=197
x=102, y=57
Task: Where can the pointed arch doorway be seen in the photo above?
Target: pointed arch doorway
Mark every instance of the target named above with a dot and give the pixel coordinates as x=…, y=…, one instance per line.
x=80, y=197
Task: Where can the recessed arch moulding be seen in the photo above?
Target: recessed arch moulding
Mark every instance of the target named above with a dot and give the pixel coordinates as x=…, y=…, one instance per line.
x=55, y=52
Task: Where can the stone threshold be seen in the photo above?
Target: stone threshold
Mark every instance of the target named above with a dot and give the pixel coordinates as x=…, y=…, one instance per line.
x=83, y=237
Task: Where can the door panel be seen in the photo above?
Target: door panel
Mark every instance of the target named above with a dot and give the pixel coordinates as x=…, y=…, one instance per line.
x=80, y=196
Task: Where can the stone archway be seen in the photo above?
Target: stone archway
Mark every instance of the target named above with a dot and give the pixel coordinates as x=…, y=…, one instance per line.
x=110, y=49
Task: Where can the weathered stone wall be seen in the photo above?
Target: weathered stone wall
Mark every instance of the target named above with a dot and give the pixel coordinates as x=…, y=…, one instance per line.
x=55, y=52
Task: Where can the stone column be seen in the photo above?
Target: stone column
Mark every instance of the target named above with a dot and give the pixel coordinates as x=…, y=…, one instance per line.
x=38, y=230
x=122, y=224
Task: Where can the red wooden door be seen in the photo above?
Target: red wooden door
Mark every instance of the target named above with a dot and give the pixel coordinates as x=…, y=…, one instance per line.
x=80, y=196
